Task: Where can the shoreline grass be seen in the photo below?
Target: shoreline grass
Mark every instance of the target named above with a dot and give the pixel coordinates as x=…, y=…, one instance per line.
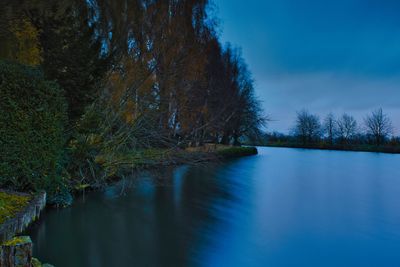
x=119, y=165
x=11, y=204
x=353, y=148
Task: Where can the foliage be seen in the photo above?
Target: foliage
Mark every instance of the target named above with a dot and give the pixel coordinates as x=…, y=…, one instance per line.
x=59, y=36
x=379, y=126
x=61, y=197
x=31, y=128
x=307, y=127
x=72, y=56
x=342, y=134
x=27, y=49
x=35, y=262
x=346, y=128
x=102, y=135
x=330, y=127
x=139, y=77
x=19, y=38
x=171, y=63
x=161, y=57
x=11, y=204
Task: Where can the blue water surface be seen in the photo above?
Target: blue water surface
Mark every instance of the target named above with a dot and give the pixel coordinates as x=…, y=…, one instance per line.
x=284, y=207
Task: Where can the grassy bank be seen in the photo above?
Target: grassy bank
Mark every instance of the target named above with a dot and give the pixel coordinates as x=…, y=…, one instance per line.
x=150, y=158
x=162, y=157
x=123, y=164
x=115, y=167
x=360, y=148
x=62, y=153
x=11, y=205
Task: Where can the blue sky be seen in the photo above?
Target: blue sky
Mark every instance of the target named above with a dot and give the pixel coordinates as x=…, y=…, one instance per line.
x=339, y=56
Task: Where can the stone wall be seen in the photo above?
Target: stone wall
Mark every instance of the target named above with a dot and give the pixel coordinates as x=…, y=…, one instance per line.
x=16, y=252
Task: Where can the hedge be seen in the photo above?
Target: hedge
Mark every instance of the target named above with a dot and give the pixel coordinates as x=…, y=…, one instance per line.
x=33, y=112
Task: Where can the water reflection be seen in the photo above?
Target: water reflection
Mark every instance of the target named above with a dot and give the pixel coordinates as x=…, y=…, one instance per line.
x=285, y=207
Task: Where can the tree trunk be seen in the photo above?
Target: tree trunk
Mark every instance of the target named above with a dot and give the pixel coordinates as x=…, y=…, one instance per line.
x=225, y=139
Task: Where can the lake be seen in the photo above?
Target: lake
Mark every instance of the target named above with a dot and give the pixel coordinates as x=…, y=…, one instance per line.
x=283, y=207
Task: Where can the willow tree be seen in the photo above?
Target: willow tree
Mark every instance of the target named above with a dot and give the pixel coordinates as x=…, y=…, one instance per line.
x=160, y=44
x=154, y=58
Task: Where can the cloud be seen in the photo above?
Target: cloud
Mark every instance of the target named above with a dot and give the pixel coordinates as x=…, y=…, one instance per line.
x=322, y=93
x=339, y=56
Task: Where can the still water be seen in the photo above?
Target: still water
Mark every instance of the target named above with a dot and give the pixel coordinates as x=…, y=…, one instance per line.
x=284, y=207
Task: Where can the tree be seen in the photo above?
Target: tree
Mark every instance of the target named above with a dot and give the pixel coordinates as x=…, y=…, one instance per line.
x=307, y=127
x=72, y=52
x=60, y=36
x=19, y=38
x=160, y=57
x=379, y=125
x=347, y=127
x=329, y=127
x=239, y=113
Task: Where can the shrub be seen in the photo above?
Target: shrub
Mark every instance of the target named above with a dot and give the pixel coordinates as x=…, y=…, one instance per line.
x=32, y=119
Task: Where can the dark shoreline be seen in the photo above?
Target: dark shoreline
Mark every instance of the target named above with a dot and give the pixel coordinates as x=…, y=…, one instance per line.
x=16, y=225
x=176, y=158
x=354, y=148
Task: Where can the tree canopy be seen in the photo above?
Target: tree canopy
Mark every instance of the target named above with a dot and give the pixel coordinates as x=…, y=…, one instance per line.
x=135, y=74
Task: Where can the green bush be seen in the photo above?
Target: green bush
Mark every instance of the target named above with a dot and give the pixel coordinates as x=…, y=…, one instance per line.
x=32, y=119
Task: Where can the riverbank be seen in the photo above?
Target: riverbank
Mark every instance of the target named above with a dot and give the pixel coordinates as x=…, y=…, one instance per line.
x=165, y=218
x=155, y=158
x=116, y=167
x=337, y=147
x=11, y=205
x=18, y=210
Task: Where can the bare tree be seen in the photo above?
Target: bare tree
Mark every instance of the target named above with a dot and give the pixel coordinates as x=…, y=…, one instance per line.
x=307, y=127
x=347, y=127
x=330, y=127
x=378, y=125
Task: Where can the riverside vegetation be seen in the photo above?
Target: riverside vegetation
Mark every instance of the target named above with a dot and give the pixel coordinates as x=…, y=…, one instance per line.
x=375, y=134
x=92, y=89
x=11, y=204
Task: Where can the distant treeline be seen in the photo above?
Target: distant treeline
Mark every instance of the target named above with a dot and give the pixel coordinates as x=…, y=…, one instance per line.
x=110, y=77
x=374, y=133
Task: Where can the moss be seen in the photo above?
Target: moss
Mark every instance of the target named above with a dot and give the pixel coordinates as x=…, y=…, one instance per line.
x=81, y=187
x=17, y=241
x=11, y=204
x=233, y=152
x=36, y=263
